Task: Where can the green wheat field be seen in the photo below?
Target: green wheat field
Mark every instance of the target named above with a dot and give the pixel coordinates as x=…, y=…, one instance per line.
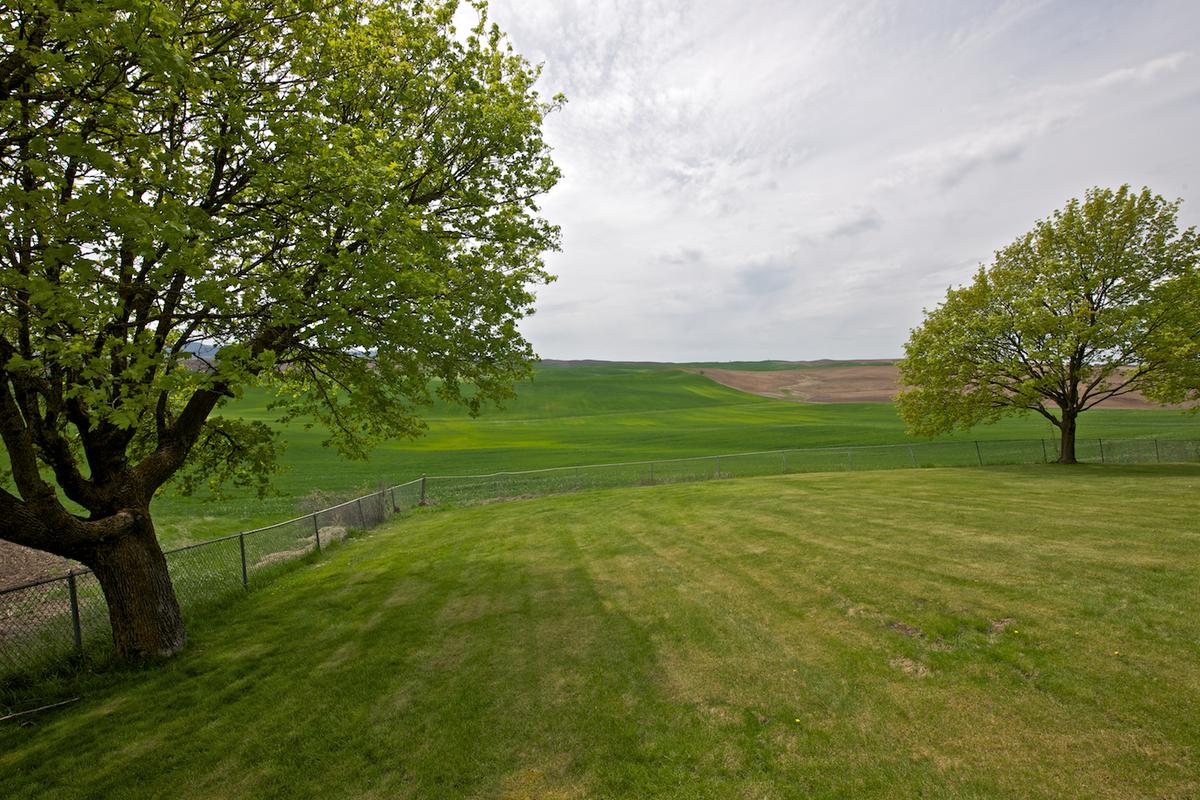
x=570, y=415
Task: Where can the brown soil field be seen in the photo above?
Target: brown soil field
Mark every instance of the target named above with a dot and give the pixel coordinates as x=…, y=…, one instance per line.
x=875, y=384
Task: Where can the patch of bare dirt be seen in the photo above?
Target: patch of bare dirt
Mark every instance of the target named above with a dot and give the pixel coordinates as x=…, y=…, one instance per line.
x=280, y=556
x=332, y=533
x=910, y=667
x=877, y=383
x=21, y=564
x=998, y=626
x=907, y=630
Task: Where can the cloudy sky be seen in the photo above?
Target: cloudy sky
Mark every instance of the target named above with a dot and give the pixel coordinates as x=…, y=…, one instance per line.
x=750, y=179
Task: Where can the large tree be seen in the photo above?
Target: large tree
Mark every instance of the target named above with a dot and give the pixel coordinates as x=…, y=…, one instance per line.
x=336, y=198
x=1099, y=300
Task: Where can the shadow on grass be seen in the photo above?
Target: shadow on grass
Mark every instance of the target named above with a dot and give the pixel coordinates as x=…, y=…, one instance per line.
x=413, y=681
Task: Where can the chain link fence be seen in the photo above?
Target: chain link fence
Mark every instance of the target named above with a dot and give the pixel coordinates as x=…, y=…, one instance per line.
x=44, y=622
x=467, y=489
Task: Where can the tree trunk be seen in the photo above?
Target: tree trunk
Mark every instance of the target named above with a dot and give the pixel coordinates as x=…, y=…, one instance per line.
x=145, y=616
x=1066, y=450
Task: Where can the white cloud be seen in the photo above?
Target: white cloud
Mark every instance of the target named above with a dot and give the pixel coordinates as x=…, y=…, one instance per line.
x=798, y=180
x=1143, y=73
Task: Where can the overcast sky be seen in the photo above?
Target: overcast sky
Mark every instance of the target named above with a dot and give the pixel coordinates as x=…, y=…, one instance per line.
x=773, y=179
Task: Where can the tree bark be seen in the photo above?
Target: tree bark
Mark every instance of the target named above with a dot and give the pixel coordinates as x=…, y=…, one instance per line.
x=143, y=610
x=1066, y=450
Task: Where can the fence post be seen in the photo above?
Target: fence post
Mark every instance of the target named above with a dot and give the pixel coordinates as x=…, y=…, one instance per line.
x=912, y=456
x=1045, y=458
x=242, y=548
x=718, y=459
x=1157, y=455
x=75, y=628
x=317, y=532
x=421, y=502
x=362, y=519
x=978, y=453
x=392, y=492
x=1101, y=441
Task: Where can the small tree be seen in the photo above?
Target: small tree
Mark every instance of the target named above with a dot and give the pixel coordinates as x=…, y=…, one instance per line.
x=338, y=197
x=1100, y=300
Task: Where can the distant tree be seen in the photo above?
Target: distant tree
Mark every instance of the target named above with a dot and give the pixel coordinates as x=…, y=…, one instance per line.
x=337, y=197
x=1100, y=300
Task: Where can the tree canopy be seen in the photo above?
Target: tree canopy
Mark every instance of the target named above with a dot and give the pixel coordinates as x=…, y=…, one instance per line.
x=339, y=200
x=1099, y=300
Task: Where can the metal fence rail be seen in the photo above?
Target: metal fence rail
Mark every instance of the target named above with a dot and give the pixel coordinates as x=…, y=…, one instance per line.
x=44, y=622
x=461, y=489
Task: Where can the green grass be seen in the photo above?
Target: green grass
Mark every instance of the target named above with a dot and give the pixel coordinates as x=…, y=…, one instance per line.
x=593, y=414
x=965, y=633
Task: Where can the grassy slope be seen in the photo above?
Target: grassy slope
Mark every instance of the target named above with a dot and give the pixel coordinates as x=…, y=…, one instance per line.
x=1003, y=632
x=594, y=414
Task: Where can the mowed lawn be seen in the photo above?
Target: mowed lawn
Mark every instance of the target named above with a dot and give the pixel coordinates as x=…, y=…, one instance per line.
x=588, y=414
x=1017, y=632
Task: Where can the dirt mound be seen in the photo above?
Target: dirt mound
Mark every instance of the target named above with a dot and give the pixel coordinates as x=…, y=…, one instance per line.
x=21, y=564
x=858, y=384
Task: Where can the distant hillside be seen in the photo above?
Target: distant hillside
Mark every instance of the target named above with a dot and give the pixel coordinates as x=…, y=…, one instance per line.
x=205, y=351
x=769, y=365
